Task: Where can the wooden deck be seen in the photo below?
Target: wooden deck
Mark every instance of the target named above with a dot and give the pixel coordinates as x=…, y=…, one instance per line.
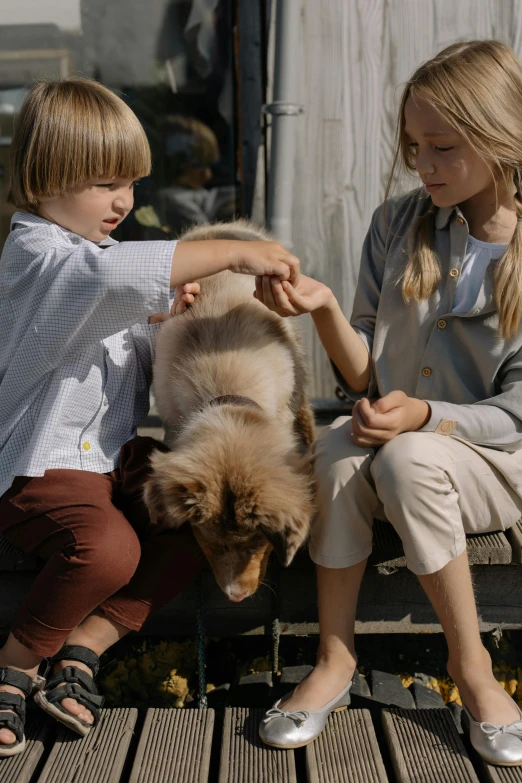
x=374, y=741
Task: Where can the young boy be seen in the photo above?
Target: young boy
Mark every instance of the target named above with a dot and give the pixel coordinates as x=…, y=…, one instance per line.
x=75, y=367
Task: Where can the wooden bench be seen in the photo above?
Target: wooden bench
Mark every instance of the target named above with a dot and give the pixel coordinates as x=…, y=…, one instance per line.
x=391, y=599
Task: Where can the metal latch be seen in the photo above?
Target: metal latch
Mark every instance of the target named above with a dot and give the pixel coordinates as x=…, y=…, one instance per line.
x=283, y=107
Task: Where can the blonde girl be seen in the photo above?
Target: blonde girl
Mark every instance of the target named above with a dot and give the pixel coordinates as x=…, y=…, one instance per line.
x=433, y=362
x=77, y=313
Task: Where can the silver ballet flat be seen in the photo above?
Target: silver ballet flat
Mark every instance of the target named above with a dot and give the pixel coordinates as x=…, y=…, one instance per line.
x=500, y=745
x=286, y=730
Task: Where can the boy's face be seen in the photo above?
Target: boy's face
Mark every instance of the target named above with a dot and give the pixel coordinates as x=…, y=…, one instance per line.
x=451, y=170
x=91, y=210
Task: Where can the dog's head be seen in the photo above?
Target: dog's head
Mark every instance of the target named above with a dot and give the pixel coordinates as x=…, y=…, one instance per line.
x=244, y=489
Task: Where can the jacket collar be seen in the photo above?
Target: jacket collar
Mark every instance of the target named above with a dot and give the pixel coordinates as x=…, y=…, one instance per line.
x=444, y=214
x=28, y=219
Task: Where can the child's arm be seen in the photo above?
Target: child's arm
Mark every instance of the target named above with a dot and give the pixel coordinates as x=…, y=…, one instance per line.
x=341, y=342
x=83, y=293
x=192, y=260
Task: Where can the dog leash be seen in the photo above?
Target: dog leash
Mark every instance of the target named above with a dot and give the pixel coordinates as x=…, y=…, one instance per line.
x=202, y=663
x=276, y=629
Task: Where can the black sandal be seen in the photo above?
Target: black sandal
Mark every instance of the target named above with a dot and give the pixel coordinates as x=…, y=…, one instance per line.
x=14, y=721
x=78, y=685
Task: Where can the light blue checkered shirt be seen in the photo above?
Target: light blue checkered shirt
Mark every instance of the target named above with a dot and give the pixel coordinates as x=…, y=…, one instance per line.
x=76, y=350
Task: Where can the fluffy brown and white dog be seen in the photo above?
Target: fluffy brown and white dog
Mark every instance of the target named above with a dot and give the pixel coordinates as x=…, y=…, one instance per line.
x=229, y=382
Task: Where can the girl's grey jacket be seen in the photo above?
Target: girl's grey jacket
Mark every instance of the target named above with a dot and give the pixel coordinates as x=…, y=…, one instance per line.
x=458, y=362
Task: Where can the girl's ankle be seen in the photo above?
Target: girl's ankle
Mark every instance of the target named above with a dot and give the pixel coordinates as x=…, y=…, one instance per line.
x=475, y=666
x=340, y=662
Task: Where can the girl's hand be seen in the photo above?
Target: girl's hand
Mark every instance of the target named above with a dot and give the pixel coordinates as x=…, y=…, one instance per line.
x=376, y=424
x=263, y=258
x=305, y=296
x=183, y=297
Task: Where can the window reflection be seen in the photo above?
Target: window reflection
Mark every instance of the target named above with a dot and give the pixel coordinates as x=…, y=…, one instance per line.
x=171, y=60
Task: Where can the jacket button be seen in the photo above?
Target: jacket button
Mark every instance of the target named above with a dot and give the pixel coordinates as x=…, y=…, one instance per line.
x=460, y=221
x=426, y=371
x=86, y=445
x=441, y=323
x=454, y=272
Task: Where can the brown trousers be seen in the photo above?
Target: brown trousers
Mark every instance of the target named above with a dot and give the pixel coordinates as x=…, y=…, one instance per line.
x=100, y=550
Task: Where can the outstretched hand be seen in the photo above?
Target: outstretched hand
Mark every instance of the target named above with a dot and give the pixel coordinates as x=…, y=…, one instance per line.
x=286, y=299
x=377, y=423
x=264, y=258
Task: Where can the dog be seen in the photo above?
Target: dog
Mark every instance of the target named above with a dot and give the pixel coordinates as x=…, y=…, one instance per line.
x=229, y=381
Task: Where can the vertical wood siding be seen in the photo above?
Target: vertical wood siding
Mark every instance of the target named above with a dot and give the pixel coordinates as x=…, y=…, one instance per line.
x=354, y=57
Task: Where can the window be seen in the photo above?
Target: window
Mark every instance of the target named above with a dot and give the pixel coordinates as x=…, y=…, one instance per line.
x=171, y=61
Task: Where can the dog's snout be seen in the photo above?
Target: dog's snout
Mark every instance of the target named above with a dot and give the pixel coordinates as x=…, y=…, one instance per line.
x=236, y=594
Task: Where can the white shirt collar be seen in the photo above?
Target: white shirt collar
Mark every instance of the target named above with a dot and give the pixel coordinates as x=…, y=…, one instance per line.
x=29, y=219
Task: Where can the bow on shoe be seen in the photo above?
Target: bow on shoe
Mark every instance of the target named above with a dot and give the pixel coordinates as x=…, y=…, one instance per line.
x=299, y=716
x=491, y=731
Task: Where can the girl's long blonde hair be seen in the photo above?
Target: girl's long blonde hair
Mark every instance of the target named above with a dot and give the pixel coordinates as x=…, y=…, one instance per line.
x=476, y=86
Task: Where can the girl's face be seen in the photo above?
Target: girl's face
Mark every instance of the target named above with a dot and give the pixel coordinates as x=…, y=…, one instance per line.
x=449, y=167
x=91, y=210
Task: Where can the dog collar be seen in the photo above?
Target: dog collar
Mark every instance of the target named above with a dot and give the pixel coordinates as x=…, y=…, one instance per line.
x=234, y=399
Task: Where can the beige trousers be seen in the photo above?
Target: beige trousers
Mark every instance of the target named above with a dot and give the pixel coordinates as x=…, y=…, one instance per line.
x=432, y=488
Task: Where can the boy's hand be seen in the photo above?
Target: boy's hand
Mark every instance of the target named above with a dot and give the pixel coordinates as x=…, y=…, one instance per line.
x=263, y=258
x=286, y=299
x=158, y=318
x=183, y=297
x=376, y=424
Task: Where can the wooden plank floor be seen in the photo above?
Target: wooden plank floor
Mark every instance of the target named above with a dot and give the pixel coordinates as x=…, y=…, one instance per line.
x=244, y=758
x=97, y=758
x=346, y=750
x=197, y=746
x=166, y=737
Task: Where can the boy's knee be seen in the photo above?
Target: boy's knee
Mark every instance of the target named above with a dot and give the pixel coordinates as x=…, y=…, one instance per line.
x=111, y=554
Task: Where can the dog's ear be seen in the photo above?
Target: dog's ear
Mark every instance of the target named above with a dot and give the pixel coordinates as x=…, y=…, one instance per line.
x=171, y=496
x=276, y=500
x=287, y=540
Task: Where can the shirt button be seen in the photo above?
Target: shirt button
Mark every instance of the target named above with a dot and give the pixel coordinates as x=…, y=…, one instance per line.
x=460, y=221
x=86, y=445
x=454, y=273
x=426, y=371
x=441, y=323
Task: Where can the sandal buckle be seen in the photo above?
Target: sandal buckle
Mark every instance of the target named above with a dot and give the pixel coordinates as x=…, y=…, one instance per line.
x=38, y=683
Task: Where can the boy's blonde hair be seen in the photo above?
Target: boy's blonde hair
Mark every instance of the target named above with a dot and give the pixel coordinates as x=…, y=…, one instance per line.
x=69, y=132
x=477, y=88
